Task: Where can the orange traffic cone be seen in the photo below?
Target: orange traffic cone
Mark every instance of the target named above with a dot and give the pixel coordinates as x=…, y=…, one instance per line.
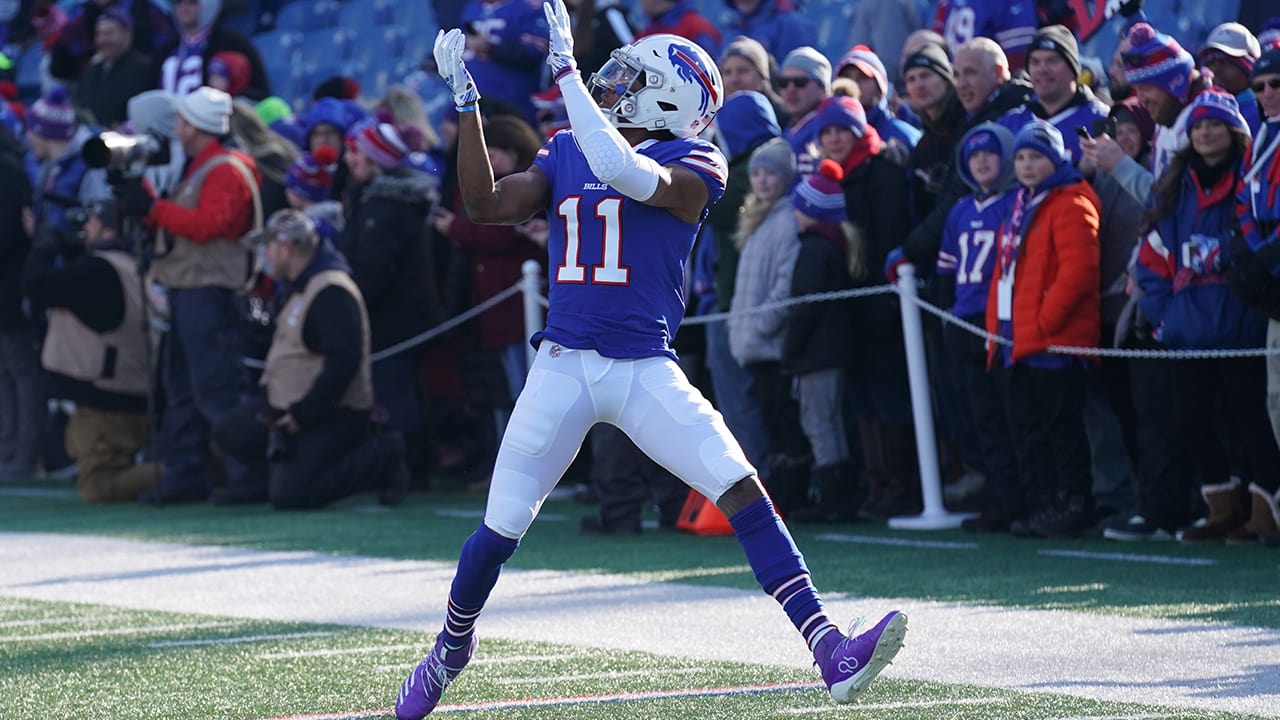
x=701, y=517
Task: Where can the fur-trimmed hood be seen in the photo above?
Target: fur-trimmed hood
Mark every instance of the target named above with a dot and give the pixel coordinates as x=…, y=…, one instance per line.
x=404, y=186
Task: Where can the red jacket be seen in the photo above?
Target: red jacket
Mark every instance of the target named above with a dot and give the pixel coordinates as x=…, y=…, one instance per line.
x=497, y=253
x=1056, y=298
x=225, y=207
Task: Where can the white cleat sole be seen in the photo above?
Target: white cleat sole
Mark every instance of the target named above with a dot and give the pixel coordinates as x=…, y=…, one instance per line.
x=887, y=648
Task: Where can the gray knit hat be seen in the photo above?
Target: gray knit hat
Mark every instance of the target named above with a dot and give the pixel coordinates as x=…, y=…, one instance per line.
x=811, y=63
x=750, y=50
x=775, y=156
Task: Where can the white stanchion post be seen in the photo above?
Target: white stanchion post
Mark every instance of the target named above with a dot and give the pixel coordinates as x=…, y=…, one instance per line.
x=531, y=279
x=935, y=515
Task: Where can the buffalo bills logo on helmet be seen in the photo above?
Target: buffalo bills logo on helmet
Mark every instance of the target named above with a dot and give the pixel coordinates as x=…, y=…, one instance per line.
x=690, y=69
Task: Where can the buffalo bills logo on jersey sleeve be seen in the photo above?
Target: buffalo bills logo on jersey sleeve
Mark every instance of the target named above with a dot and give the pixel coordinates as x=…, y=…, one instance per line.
x=689, y=68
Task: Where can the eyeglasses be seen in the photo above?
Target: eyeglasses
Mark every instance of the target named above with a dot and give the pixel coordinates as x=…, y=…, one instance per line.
x=1273, y=83
x=794, y=82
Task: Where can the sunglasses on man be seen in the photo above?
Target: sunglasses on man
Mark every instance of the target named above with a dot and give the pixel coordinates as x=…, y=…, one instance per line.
x=1273, y=83
x=794, y=82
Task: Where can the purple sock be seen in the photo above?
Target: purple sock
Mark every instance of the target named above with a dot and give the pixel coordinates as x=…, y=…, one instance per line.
x=779, y=568
x=482, y=558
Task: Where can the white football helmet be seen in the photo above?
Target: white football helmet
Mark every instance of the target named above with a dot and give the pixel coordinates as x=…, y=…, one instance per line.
x=659, y=82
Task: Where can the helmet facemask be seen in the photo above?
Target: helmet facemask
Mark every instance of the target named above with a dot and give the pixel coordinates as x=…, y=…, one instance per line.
x=659, y=83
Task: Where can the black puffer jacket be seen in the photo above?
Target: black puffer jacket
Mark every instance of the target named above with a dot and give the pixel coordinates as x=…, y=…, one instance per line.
x=385, y=242
x=818, y=336
x=14, y=243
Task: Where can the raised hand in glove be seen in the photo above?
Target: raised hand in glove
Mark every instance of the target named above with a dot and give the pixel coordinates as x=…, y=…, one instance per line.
x=894, y=260
x=137, y=200
x=560, y=30
x=448, y=52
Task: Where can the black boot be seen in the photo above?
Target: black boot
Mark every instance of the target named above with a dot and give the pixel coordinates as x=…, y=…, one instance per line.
x=836, y=493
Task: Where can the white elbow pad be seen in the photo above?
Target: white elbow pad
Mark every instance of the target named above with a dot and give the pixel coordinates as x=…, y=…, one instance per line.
x=616, y=163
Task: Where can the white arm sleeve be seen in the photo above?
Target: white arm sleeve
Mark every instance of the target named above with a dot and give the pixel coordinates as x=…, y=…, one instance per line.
x=608, y=154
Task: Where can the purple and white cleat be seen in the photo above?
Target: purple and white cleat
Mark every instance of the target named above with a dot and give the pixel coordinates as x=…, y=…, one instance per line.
x=421, y=691
x=855, y=660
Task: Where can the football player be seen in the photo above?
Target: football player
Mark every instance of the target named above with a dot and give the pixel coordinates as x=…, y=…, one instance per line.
x=625, y=190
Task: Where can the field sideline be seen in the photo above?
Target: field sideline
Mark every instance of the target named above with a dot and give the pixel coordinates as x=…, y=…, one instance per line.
x=320, y=615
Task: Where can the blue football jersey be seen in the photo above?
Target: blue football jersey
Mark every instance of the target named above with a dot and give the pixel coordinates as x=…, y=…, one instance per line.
x=1082, y=112
x=969, y=246
x=616, y=264
x=1012, y=23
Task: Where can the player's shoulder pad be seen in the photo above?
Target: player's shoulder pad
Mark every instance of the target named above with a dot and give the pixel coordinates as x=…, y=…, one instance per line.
x=693, y=153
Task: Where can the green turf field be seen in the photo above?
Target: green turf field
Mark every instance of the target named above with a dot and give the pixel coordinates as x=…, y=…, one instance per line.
x=89, y=660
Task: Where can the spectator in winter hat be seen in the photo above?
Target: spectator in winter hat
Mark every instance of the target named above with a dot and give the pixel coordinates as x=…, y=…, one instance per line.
x=805, y=81
x=229, y=72
x=309, y=187
x=55, y=138
x=1230, y=52
x=1160, y=71
x=804, y=84
x=116, y=72
x=382, y=238
x=326, y=123
x=278, y=116
x=53, y=119
x=746, y=65
x=863, y=67
x=1046, y=275
x=930, y=81
x=767, y=239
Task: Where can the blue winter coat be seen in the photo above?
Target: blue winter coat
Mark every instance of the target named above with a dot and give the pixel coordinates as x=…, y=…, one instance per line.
x=1182, y=271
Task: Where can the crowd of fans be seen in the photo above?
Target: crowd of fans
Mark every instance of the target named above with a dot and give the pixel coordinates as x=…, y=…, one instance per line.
x=1055, y=205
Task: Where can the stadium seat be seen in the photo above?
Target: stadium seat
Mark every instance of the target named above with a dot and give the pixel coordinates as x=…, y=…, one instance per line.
x=307, y=15
x=358, y=16
x=415, y=15
x=384, y=11
x=279, y=49
x=394, y=42
x=321, y=46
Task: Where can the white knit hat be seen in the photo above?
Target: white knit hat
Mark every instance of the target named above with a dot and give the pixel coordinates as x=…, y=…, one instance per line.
x=207, y=109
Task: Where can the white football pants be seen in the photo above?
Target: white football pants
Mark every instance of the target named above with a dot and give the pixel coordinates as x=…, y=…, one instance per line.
x=649, y=399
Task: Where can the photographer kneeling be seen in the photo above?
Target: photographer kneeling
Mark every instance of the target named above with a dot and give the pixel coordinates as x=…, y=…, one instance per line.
x=96, y=352
x=317, y=380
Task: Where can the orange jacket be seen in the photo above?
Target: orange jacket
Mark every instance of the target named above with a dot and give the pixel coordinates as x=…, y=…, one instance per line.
x=1056, y=299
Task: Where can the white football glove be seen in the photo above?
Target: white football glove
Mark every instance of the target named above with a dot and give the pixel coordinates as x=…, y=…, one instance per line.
x=560, y=31
x=448, y=53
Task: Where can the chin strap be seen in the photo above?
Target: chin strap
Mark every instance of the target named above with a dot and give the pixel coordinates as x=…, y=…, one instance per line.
x=609, y=155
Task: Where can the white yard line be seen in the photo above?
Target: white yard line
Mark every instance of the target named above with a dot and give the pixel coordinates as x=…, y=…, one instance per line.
x=899, y=542
x=864, y=707
x=107, y=632
x=610, y=675
x=238, y=640
x=1152, y=661
x=70, y=620
x=1129, y=557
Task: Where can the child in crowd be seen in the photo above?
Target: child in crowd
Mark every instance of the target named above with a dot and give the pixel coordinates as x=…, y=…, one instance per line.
x=819, y=342
x=767, y=238
x=968, y=255
x=308, y=185
x=1044, y=293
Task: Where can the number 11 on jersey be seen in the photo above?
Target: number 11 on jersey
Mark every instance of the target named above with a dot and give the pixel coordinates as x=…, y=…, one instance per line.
x=610, y=271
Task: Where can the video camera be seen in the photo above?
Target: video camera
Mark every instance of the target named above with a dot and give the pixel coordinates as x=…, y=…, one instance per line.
x=127, y=155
